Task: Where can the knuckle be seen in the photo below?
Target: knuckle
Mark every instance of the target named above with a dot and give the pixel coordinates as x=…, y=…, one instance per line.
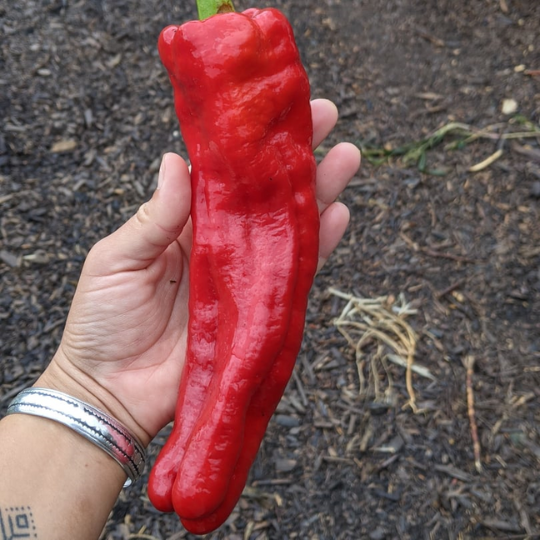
x=142, y=216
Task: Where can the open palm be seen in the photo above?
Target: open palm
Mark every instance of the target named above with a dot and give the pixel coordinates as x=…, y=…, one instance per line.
x=126, y=333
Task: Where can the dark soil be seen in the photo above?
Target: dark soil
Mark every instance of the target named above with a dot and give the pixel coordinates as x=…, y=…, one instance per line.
x=86, y=113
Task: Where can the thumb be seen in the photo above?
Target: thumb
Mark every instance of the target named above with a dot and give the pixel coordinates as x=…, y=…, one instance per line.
x=157, y=223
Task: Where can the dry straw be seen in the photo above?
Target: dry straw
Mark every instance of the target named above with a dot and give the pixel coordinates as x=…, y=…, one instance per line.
x=382, y=321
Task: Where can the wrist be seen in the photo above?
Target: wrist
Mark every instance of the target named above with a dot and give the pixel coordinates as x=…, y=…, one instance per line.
x=99, y=428
x=64, y=376
x=54, y=473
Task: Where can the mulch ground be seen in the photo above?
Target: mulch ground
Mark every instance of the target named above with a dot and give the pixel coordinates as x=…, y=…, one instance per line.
x=362, y=446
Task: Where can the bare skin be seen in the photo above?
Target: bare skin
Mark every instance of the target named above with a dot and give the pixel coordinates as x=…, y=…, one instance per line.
x=123, y=349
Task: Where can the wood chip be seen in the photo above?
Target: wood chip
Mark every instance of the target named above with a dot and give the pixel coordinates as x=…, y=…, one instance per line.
x=65, y=145
x=509, y=106
x=454, y=472
x=10, y=258
x=285, y=465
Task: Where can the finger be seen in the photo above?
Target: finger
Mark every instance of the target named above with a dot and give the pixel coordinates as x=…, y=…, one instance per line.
x=334, y=221
x=335, y=171
x=157, y=223
x=325, y=115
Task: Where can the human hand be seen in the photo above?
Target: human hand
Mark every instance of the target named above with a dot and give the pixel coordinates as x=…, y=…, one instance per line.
x=124, y=344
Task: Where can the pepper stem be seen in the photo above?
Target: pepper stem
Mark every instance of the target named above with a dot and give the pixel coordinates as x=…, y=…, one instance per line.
x=207, y=8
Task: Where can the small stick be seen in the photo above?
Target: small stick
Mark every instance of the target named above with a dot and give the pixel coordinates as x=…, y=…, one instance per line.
x=300, y=388
x=487, y=162
x=443, y=255
x=432, y=253
x=433, y=39
x=450, y=288
x=409, y=383
x=469, y=365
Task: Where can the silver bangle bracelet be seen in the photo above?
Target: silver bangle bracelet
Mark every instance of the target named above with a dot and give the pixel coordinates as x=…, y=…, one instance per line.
x=93, y=424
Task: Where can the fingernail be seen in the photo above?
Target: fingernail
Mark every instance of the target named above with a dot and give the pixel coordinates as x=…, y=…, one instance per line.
x=161, y=175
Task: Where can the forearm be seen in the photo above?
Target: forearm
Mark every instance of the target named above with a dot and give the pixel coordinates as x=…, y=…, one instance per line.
x=54, y=484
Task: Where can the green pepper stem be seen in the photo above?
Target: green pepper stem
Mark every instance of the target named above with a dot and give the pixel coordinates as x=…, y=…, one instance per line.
x=207, y=8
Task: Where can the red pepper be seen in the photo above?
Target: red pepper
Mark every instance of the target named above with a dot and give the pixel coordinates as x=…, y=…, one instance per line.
x=242, y=99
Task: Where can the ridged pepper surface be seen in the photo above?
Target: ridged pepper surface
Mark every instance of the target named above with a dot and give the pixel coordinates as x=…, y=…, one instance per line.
x=242, y=100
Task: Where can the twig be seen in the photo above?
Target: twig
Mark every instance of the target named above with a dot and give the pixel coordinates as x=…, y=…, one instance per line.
x=409, y=383
x=450, y=288
x=527, y=151
x=375, y=374
x=486, y=134
x=469, y=365
x=512, y=537
x=487, y=162
x=444, y=255
x=432, y=39
x=434, y=253
x=300, y=388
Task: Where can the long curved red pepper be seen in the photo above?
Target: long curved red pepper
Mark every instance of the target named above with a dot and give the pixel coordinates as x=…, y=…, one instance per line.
x=267, y=397
x=242, y=98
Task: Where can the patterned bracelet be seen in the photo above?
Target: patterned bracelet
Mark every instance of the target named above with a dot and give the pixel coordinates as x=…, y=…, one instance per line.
x=93, y=424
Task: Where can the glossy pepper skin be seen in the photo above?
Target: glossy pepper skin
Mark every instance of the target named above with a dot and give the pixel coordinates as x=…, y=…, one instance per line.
x=242, y=99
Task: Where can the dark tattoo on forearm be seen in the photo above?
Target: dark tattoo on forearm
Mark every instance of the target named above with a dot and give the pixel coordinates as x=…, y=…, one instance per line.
x=17, y=523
